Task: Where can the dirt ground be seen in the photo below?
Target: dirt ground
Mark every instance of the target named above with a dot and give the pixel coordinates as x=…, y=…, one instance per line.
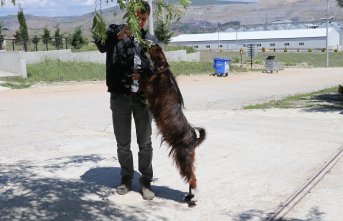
x=58, y=153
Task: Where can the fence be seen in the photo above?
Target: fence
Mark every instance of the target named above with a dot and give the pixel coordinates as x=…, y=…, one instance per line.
x=34, y=44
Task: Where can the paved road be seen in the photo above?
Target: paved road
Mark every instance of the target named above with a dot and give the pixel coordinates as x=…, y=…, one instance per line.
x=232, y=92
x=58, y=157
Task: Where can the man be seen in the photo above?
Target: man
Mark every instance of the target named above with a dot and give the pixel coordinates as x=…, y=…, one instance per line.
x=125, y=60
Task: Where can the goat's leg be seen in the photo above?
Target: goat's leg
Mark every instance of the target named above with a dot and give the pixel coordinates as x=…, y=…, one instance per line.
x=190, y=198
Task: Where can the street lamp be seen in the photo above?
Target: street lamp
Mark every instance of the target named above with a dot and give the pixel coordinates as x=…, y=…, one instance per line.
x=151, y=19
x=327, y=18
x=327, y=33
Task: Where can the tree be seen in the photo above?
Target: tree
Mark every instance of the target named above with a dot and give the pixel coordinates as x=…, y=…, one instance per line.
x=77, y=40
x=173, y=11
x=162, y=32
x=1, y=35
x=58, y=39
x=340, y=3
x=23, y=34
x=35, y=41
x=46, y=38
x=2, y=2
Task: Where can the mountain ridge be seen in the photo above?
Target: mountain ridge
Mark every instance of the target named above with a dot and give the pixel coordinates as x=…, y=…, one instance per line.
x=261, y=12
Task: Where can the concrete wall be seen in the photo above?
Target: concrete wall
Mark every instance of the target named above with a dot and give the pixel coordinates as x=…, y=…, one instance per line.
x=97, y=57
x=9, y=60
x=182, y=55
x=13, y=62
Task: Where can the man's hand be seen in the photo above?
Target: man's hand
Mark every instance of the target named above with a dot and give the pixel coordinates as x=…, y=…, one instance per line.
x=136, y=76
x=123, y=33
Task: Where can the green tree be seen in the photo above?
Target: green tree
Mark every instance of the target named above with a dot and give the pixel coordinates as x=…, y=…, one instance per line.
x=2, y=2
x=77, y=40
x=162, y=32
x=58, y=38
x=35, y=41
x=1, y=35
x=23, y=34
x=340, y=3
x=46, y=38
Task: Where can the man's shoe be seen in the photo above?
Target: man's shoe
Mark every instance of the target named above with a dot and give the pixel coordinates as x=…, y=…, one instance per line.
x=125, y=185
x=146, y=190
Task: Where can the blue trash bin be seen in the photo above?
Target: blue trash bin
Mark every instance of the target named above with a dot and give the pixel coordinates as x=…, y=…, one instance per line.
x=221, y=66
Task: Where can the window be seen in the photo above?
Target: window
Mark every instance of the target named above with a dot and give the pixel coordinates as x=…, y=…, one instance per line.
x=286, y=44
x=259, y=45
x=272, y=44
x=301, y=43
x=208, y=46
x=220, y=46
x=196, y=46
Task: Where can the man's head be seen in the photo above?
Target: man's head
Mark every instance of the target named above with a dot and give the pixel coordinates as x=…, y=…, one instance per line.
x=143, y=14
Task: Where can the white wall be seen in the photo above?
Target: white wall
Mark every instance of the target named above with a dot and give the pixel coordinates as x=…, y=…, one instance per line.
x=13, y=62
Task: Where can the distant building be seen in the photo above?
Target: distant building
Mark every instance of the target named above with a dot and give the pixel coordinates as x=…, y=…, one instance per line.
x=279, y=39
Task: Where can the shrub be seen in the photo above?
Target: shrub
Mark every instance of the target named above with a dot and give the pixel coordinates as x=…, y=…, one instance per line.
x=285, y=50
x=336, y=50
x=236, y=60
x=309, y=50
x=323, y=49
x=258, y=62
x=263, y=49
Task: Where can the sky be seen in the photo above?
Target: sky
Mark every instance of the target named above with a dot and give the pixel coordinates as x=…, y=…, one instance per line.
x=52, y=8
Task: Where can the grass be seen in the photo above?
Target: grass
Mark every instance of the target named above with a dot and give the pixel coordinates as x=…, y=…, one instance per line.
x=49, y=71
x=312, y=59
x=187, y=68
x=327, y=98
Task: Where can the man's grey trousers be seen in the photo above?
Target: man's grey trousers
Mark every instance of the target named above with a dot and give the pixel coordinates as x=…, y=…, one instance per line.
x=123, y=108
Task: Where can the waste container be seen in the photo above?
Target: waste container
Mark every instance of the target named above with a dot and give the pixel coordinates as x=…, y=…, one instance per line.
x=221, y=66
x=271, y=65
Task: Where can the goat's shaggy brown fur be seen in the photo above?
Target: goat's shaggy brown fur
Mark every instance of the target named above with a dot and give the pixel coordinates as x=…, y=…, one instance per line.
x=166, y=104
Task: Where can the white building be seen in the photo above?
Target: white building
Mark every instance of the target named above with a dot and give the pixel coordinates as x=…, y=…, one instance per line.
x=279, y=39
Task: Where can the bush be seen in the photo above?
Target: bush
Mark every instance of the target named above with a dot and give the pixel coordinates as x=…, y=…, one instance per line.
x=336, y=50
x=236, y=60
x=323, y=49
x=258, y=62
x=263, y=49
x=309, y=50
x=285, y=50
x=274, y=49
x=178, y=47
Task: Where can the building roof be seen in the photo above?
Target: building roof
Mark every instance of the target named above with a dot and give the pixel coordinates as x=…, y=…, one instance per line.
x=252, y=35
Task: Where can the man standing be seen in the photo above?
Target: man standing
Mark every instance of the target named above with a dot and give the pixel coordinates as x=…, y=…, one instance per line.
x=125, y=61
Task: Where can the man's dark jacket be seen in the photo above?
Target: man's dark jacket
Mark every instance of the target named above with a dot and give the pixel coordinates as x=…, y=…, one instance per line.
x=120, y=59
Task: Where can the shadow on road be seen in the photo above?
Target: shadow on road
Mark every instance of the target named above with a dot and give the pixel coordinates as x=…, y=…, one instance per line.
x=313, y=215
x=26, y=194
x=326, y=103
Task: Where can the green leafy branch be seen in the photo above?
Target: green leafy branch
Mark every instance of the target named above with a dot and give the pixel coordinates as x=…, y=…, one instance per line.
x=173, y=12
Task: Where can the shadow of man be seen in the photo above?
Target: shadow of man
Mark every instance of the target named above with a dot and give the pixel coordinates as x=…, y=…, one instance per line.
x=110, y=177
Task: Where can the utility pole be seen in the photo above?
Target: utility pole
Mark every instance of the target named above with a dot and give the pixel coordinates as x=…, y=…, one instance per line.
x=327, y=33
x=151, y=19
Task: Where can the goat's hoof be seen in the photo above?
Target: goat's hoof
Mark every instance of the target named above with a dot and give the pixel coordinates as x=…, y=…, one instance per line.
x=189, y=200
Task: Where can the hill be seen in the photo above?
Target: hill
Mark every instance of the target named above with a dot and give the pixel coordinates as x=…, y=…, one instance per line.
x=202, y=15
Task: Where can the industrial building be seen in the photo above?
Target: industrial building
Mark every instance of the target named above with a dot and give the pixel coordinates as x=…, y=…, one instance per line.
x=278, y=39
